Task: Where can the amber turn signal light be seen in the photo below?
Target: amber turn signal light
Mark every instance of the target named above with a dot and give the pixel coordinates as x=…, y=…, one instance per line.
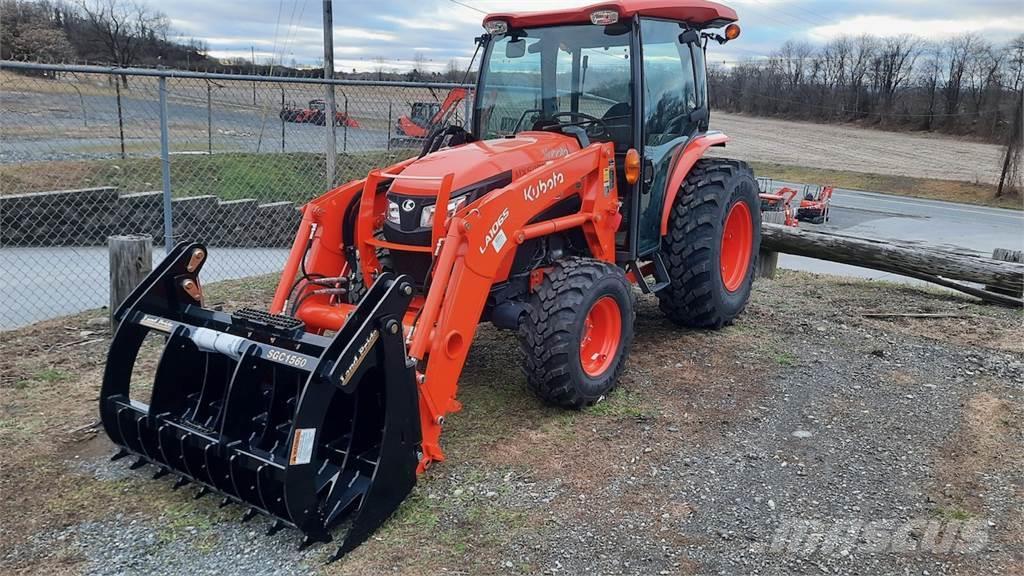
x=732, y=31
x=632, y=166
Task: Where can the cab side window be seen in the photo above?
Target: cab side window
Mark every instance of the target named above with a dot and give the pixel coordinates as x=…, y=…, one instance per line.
x=670, y=90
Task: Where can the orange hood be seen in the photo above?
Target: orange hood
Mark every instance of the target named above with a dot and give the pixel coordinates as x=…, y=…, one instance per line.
x=477, y=161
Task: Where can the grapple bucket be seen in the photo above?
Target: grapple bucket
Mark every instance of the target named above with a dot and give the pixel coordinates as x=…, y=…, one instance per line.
x=313, y=431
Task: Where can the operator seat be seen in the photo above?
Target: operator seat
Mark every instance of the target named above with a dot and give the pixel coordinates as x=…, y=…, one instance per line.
x=619, y=121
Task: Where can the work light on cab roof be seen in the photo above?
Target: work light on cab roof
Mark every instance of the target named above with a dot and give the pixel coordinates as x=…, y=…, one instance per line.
x=580, y=176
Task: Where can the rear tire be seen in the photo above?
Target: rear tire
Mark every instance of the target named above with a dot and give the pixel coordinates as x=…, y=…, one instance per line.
x=699, y=293
x=565, y=362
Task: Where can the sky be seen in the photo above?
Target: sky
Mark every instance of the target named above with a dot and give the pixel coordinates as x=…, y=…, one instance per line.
x=390, y=33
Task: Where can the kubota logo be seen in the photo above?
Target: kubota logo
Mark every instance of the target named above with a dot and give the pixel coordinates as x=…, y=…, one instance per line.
x=542, y=186
x=495, y=234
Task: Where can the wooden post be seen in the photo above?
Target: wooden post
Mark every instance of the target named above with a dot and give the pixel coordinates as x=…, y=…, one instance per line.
x=767, y=262
x=131, y=259
x=1007, y=255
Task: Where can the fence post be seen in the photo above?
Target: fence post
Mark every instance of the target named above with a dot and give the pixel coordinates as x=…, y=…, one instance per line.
x=120, y=118
x=281, y=114
x=330, y=112
x=767, y=262
x=209, y=121
x=131, y=259
x=344, y=142
x=389, y=126
x=165, y=166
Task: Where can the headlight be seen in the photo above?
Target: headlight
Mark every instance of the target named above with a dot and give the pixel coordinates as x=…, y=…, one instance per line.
x=393, y=212
x=427, y=216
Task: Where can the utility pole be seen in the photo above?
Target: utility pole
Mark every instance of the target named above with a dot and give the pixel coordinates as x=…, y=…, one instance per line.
x=329, y=114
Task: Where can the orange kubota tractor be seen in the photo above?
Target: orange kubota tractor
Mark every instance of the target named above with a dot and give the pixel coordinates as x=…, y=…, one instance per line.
x=582, y=175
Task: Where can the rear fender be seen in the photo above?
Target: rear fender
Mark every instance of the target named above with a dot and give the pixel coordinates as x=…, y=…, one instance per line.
x=687, y=158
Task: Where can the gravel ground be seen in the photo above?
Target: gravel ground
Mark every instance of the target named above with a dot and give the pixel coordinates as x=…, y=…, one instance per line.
x=803, y=411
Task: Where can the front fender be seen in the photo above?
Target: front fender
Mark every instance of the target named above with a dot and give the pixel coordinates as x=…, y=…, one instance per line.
x=687, y=158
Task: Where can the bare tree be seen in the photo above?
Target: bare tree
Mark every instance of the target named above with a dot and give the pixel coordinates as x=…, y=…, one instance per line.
x=896, y=58
x=1012, y=175
x=32, y=31
x=861, y=56
x=452, y=73
x=930, y=77
x=419, y=67
x=960, y=49
x=122, y=27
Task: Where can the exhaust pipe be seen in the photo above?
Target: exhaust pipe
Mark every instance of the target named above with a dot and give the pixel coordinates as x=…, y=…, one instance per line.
x=312, y=431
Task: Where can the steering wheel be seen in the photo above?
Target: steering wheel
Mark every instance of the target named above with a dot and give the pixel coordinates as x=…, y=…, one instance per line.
x=594, y=121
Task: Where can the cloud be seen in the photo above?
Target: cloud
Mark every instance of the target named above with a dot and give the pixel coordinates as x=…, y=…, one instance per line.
x=392, y=31
x=931, y=28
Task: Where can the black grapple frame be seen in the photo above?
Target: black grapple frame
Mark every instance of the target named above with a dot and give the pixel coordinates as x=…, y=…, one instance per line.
x=312, y=431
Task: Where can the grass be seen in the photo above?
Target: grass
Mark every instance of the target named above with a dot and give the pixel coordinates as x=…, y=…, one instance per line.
x=953, y=514
x=294, y=176
x=44, y=376
x=784, y=358
x=299, y=176
x=621, y=403
x=933, y=189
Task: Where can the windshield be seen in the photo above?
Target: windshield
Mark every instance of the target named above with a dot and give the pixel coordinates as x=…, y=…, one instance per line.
x=577, y=74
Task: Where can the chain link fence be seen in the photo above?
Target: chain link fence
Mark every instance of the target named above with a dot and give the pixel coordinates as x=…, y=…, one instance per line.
x=88, y=152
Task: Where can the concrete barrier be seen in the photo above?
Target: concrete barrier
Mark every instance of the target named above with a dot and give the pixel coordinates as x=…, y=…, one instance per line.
x=87, y=217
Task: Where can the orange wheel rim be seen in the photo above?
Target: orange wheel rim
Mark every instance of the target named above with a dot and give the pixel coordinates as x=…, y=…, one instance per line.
x=737, y=240
x=602, y=330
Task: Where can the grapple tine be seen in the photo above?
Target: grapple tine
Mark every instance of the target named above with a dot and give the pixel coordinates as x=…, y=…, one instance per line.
x=313, y=431
x=276, y=527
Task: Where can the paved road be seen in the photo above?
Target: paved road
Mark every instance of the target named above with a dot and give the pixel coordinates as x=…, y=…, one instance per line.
x=969, y=228
x=67, y=280
x=975, y=229
x=62, y=134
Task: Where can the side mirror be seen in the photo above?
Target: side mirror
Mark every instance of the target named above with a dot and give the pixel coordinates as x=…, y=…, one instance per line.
x=689, y=36
x=515, y=49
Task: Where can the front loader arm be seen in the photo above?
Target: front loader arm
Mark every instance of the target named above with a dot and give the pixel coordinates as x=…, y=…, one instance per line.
x=477, y=252
x=319, y=241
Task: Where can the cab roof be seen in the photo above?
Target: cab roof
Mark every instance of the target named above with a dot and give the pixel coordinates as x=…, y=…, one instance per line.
x=696, y=13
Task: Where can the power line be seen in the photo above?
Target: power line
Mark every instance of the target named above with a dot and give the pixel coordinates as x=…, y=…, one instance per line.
x=277, y=28
x=464, y=5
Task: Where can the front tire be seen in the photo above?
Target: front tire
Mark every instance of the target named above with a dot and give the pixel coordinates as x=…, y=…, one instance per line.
x=577, y=332
x=711, y=247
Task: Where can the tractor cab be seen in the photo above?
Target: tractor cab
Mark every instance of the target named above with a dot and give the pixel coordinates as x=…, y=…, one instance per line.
x=423, y=112
x=631, y=73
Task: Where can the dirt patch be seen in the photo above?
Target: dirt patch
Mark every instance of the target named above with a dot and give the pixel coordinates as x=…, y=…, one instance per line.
x=850, y=148
x=990, y=433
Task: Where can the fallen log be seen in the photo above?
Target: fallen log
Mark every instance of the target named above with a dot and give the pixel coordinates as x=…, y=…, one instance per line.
x=928, y=263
